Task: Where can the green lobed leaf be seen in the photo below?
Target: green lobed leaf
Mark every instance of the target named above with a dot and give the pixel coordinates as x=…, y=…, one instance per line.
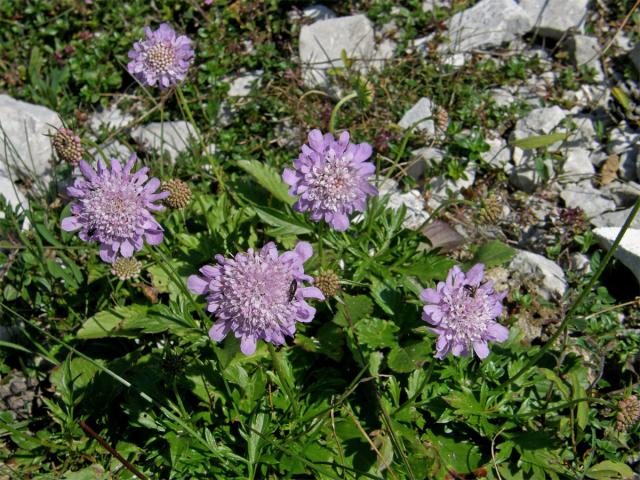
x=609, y=470
x=539, y=141
x=377, y=333
x=268, y=178
x=493, y=253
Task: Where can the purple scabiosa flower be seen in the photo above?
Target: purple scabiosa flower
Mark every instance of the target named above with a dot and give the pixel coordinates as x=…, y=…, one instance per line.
x=257, y=295
x=162, y=58
x=114, y=208
x=331, y=178
x=462, y=311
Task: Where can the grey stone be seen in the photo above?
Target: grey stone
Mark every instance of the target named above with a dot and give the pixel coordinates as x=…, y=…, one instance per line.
x=241, y=86
x=577, y=165
x=423, y=158
x=585, y=133
x=112, y=149
x=525, y=175
x=634, y=55
x=502, y=97
x=443, y=189
x=625, y=142
x=552, y=280
x=585, y=196
x=430, y=5
x=172, y=138
x=488, y=23
x=312, y=13
x=628, y=251
x=624, y=193
x=580, y=263
x=12, y=195
x=498, y=155
x=383, y=53
x=615, y=219
x=111, y=118
x=420, y=117
x=584, y=50
x=24, y=145
x=322, y=42
x=540, y=121
x=552, y=18
x=412, y=200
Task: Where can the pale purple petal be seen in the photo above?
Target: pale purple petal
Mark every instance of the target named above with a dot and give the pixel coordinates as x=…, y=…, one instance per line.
x=259, y=295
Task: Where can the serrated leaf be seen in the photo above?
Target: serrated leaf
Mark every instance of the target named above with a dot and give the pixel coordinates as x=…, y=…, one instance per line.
x=377, y=333
x=268, y=178
x=406, y=359
x=430, y=267
x=539, y=141
x=457, y=455
x=493, y=253
x=284, y=225
x=464, y=403
x=609, y=470
x=355, y=308
x=111, y=323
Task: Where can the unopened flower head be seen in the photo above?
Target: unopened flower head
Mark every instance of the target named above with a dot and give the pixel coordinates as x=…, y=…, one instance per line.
x=126, y=268
x=257, y=295
x=332, y=178
x=114, y=208
x=328, y=282
x=179, y=193
x=462, y=312
x=68, y=146
x=162, y=58
x=628, y=413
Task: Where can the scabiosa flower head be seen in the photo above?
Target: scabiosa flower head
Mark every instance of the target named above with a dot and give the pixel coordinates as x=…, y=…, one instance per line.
x=257, y=295
x=68, y=146
x=114, y=208
x=163, y=58
x=462, y=311
x=331, y=178
x=126, y=268
x=179, y=193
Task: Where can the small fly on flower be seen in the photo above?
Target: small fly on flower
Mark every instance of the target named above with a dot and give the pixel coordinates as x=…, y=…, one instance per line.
x=292, y=290
x=471, y=290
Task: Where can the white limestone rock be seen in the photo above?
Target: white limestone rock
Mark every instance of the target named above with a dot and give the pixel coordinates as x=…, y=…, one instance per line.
x=420, y=117
x=312, y=13
x=171, y=138
x=552, y=283
x=111, y=118
x=625, y=142
x=577, y=165
x=487, y=23
x=412, y=200
x=322, y=42
x=499, y=154
x=12, y=194
x=422, y=158
x=241, y=86
x=584, y=195
x=552, y=18
x=615, y=219
x=25, y=148
x=443, y=189
x=585, y=50
x=628, y=251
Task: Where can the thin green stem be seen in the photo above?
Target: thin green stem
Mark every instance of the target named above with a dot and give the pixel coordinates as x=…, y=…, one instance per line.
x=279, y=368
x=203, y=148
x=583, y=294
x=334, y=112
